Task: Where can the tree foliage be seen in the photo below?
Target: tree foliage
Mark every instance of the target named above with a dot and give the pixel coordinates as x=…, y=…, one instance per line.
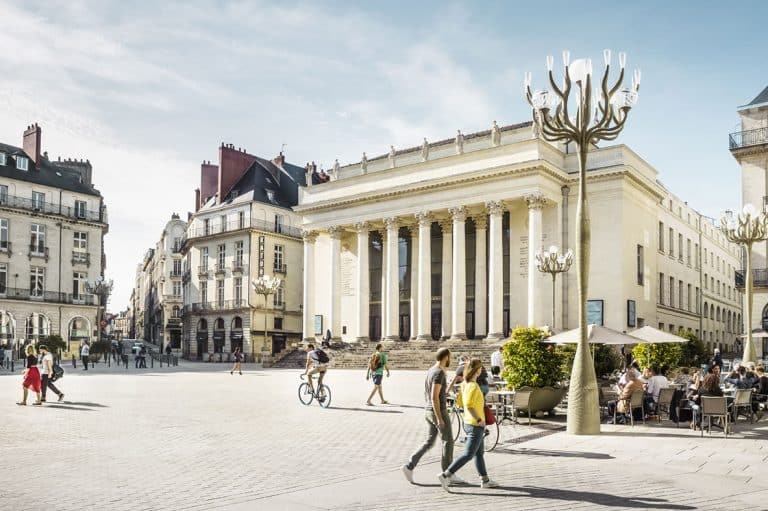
x=528, y=362
x=694, y=353
x=665, y=355
x=607, y=360
x=54, y=343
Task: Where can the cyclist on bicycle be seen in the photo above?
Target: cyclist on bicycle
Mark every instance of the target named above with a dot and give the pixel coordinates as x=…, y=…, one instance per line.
x=318, y=361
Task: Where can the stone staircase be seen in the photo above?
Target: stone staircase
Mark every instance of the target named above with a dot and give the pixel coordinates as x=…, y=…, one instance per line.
x=402, y=355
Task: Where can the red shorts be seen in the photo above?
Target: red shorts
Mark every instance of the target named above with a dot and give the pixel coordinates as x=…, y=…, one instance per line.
x=32, y=380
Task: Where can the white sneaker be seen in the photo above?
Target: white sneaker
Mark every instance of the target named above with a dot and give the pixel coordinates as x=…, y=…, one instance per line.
x=490, y=483
x=454, y=479
x=445, y=482
x=408, y=473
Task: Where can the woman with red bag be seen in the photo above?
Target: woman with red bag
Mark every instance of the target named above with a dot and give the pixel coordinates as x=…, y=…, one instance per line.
x=31, y=377
x=472, y=400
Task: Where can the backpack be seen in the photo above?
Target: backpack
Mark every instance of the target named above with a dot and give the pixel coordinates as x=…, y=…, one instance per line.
x=58, y=372
x=375, y=363
x=322, y=357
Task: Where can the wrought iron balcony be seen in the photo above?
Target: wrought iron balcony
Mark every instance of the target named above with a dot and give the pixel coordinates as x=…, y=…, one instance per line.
x=759, y=278
x=81, y=258
x=221, y=268
x=249, y=223
x=238, y=266
x=38, y=250
x=5, y=246
x=175, y=274
x=223, y=305
x=12, y=201
x=748, y=138
x=17, y=293
x=281, y=268
x=203, y=270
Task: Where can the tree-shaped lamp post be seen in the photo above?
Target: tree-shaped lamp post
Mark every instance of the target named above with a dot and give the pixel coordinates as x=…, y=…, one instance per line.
x=102, y=289
x=601, y=119
x=265, y=285
x=747, y=228
x=553, y=262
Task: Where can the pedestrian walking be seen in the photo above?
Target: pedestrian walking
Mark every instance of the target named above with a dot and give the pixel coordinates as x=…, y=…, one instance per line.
x=85, y=354
x=436, y=416
x=238, y=359
x=376, y=367
x=497, y=362
x=31, y=377
x=143, y=357
x=473, y=402
x=46, y=373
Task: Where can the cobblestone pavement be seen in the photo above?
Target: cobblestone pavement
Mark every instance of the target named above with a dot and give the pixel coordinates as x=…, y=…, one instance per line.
x=196, y=438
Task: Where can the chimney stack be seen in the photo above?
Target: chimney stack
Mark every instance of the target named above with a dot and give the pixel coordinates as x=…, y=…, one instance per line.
x=280, y=160
x=197, y=199
x=32, y=142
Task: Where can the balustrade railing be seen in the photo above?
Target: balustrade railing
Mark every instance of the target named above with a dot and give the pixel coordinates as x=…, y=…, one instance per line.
x=748, y=138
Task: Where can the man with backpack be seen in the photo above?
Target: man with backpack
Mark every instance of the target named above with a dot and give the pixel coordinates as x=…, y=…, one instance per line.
x=376, y=366
x=318, y=360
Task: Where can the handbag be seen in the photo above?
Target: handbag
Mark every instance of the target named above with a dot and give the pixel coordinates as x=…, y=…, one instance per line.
x=58, y=372
x=490, y=417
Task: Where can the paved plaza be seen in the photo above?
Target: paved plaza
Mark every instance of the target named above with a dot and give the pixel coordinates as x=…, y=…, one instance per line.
x=196, y=438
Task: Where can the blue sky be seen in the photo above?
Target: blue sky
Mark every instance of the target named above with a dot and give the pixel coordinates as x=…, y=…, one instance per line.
x=147, y=90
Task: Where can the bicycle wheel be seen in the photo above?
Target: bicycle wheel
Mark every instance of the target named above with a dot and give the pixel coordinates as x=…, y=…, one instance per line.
x=324, y=396
x=457, y=423
x=305, y=394
x=491, y=437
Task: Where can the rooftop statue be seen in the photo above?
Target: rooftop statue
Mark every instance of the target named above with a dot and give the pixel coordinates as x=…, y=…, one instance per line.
x=336, y=167
x=495, y=135
x=391, y=156
x=364, y=164
x=425, y=150
x=459, y=142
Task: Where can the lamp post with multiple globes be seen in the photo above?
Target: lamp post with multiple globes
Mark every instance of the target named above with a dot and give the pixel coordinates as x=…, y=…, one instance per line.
x=599, y=117
x=553, y=262
x=265, y=285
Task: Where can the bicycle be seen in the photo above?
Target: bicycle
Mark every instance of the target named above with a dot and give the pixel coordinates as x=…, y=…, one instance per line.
x=322, y=394
x=492, y=432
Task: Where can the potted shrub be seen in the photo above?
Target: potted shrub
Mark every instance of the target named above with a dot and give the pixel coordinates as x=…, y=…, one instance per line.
x=531, y=365
x=660, y=356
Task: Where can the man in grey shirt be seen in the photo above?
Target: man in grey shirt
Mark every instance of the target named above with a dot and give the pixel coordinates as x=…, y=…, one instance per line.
x=436, y=416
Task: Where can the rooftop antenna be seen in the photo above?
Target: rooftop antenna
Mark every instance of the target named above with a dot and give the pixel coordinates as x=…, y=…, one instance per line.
x=282, y=147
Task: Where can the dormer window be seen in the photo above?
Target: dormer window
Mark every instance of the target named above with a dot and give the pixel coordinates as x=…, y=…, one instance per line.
x=2, y=159
x=22, y=163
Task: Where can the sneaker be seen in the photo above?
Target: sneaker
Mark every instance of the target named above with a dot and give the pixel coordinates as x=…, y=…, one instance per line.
x=490, y=483
x=38, y=403
x=42, y=400
x=445, y=482
x=408, y=473
x=61, y=397
x=456, y=480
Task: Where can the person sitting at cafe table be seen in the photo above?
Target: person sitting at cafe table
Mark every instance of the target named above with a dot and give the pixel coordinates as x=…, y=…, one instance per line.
x=742, y=380
x=622, y=404
x=684, y=378
x=710, y=387
x=654, y=383
x=633, y=367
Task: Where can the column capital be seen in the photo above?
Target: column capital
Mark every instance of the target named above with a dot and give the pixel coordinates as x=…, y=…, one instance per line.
x=446, y=225
x=495, y=207
x=309, y=236
x=535, y=200
x=481, y=220
x=335, y=232
x=391, y=223
x=362, y=227
x=423, y=218
x=459, y=214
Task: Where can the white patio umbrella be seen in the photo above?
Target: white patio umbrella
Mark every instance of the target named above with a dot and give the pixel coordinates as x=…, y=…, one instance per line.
x=596, y=334
x=757, y=333
x=651, y=335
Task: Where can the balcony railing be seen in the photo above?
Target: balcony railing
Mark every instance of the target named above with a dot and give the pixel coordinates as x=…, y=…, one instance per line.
x=759, y=278
x=38, y=250
x=238, y=266
x=81, y=258
x=203, y=270
x=221, y=268
x=175, y=274
x=233, y=226
x=748, y=138
x=12, y=201
x=5, y=246
x=16, y=293
x=224, y=305
x=280, y=268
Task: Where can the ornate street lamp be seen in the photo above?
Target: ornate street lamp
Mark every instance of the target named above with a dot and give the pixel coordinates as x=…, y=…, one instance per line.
x=265, y=285
x=553, y=262
x=747, y=228
x=102, y=289
x=601, y=117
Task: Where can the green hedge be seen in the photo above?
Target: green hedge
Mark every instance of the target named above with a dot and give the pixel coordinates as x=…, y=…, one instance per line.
x=528, y=362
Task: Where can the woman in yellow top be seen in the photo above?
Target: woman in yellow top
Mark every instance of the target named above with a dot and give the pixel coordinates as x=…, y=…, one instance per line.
x=474, y=426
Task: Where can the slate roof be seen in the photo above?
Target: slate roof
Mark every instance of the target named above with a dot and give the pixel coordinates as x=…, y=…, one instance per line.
x=45, y=172
x=760, y=99
x=259, y=181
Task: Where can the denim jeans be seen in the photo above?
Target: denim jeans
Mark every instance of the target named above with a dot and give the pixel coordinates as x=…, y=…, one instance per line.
x=473, y=448
x=446, y=435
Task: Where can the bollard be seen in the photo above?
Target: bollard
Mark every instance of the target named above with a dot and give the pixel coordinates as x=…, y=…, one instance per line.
x=74, y=362
x=160, y=359
x=152, y=362
x=12, y=369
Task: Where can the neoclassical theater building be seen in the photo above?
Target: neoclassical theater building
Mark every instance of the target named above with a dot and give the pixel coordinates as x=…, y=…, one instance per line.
x=438, y=241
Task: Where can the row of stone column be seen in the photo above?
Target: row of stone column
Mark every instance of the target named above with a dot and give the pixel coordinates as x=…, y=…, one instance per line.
x=489, y=298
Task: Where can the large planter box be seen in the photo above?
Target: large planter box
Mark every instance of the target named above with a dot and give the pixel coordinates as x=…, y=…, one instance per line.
x=545, y=399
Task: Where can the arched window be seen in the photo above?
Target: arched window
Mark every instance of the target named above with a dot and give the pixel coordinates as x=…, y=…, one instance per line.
x=218, y=335
x=7, y=327
x=78, y=331
x=176, y=311
x=219, y=325
x=706, y=310
x=237, y=323
x=236, y=333
x=38, y=327
x=712, y=312
x=717, y=311
x=202, y=325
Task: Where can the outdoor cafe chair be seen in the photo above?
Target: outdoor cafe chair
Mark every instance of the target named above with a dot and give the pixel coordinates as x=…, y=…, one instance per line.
x=742, y=404
x=634, y=402
x=522, y=401
x=716, y=407
x=665, y=403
